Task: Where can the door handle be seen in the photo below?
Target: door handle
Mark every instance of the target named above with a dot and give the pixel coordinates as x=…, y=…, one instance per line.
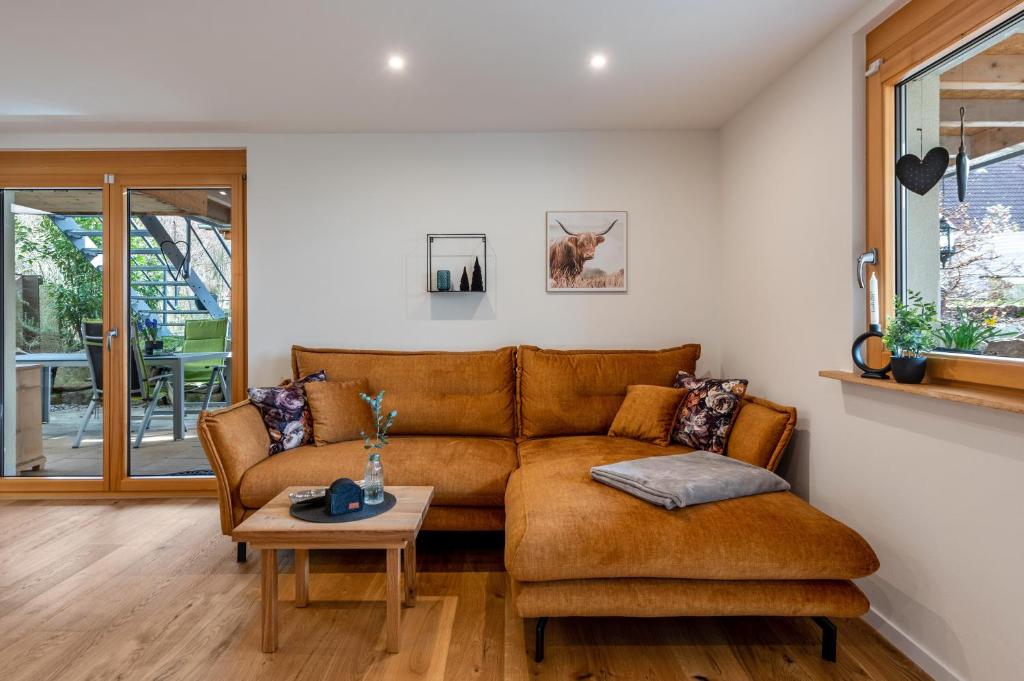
x=112, y=334
x=868, y=258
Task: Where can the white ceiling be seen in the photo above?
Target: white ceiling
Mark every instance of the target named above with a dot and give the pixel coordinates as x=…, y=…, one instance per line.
x=319, y=65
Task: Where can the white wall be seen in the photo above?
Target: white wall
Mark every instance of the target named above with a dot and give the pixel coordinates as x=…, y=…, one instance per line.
x=338, y=224
x=935, y=487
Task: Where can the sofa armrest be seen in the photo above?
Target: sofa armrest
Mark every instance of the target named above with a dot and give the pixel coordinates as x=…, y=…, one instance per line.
x=235, y=439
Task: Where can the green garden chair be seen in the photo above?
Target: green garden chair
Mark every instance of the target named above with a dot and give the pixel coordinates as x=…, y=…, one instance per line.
x=206, y=335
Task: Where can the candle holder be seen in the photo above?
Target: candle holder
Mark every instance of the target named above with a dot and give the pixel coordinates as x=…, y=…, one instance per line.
x=874, y=331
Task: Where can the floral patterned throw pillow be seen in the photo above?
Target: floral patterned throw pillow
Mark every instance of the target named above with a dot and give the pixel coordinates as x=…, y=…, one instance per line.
x=286, y=413
x=708, y=411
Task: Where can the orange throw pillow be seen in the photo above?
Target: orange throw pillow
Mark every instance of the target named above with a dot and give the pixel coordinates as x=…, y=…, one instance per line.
x=648, y=413
x=338, y=413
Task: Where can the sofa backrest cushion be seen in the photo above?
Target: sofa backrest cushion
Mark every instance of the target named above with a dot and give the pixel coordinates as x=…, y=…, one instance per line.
x=578, y=392
x=761, y=432
x=435, y=393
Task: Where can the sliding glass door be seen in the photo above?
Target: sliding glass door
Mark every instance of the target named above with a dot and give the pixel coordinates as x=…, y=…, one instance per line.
x=123, y=316
x=53, y=392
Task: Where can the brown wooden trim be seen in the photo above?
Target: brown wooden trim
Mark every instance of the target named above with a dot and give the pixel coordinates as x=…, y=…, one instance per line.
x=1003, y=399
x=165, y=494
x=47, y=486
x=115, y=304
x=20, y=163
x=917, y=34
x=239, y=291
x=989, y=371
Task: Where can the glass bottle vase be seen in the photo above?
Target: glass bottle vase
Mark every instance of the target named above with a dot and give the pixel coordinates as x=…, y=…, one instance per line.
x=373, y=480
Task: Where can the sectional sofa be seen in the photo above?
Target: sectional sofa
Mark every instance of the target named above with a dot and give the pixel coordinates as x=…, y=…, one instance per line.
x=507, y=439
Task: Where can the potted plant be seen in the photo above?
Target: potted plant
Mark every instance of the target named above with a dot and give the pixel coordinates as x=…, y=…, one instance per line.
x=909, y=333
x=968, y=335
x=149, y=330
x=373, y=479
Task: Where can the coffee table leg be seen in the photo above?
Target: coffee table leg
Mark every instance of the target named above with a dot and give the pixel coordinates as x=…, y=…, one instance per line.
x=410, y=574
x=301, y=578
x=394, y=610
x=268, y=594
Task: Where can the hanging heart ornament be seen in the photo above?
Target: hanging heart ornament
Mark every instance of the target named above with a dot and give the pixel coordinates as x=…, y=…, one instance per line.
x=919, y=176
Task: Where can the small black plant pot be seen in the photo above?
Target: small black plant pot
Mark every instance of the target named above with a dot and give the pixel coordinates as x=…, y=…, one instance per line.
x=153, y=346
x=909, y=369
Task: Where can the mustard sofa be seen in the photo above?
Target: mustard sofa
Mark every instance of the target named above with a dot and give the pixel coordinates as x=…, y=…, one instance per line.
x=507, y=439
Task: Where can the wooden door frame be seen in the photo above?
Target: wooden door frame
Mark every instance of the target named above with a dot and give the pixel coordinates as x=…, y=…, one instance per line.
x=134, y=169
x=920, y=33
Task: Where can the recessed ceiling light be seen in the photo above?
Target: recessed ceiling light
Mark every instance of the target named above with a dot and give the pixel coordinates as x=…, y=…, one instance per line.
x=223, y=193
x=598, y=61
x=396, y=62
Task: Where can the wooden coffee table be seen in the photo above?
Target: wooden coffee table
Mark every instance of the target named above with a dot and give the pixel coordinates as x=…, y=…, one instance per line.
x=272, y=528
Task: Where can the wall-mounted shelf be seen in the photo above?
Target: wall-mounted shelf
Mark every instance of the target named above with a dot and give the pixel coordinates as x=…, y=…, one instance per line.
x=453, y=252
x=1004, y=399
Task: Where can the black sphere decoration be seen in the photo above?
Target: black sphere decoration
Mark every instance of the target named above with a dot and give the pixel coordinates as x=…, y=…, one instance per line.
x=478, y=278
x=874, y=331
x=464, y=283
x=919, y=176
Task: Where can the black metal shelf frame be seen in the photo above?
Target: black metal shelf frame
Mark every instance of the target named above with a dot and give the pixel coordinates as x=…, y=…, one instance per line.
x=432, y=284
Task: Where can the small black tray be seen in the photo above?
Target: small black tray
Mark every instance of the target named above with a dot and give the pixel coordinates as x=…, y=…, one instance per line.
x=315, y=510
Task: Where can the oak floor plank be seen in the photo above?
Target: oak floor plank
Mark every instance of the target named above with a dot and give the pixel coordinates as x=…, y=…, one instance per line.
x=149, y=590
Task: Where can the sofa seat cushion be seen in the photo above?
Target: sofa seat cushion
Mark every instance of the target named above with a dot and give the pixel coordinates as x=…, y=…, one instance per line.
x=560, y=524
x=596, y=450
x=464, y=471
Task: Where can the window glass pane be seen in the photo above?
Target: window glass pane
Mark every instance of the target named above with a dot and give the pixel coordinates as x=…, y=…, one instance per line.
x=179, y=265
x=53, y=333
x=968, y=256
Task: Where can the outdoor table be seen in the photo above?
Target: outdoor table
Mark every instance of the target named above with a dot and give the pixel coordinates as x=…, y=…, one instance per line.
x=175, y=361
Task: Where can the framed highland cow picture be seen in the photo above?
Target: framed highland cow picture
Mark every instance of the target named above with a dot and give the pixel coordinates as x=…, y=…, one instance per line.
x=586, y=251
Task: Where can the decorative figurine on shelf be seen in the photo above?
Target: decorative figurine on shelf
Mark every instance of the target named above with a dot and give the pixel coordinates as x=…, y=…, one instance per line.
x=373, y=479
x=344, y=496
x=464, y=284
x=478, y=278
x=874, y=331
x=444, y=280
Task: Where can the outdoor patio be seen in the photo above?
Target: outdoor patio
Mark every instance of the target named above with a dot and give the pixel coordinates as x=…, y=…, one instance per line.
x=159, y=454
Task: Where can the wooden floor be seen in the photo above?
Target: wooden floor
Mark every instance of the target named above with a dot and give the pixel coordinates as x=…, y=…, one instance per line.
x=150, y=590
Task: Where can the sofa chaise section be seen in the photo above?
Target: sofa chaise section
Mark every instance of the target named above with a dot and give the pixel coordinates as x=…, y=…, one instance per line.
x=575, y=547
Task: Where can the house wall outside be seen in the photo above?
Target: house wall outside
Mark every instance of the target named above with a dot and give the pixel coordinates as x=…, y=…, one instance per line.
x=933, y=486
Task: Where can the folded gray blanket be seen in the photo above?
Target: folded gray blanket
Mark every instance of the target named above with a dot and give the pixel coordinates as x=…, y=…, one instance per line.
x=680, y=480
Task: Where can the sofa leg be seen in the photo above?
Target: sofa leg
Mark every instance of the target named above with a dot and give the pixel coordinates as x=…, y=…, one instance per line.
x=538, y=648
x=241, y=552
x=829, y=636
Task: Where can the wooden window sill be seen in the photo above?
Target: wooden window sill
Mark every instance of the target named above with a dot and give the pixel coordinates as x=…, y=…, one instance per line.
x=1004, y=399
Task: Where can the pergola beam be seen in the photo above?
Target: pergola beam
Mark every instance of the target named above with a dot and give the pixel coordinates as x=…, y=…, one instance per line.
x=982, y=113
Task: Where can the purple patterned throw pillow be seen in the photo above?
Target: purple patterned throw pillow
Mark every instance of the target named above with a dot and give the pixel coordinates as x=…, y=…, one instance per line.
x=286, y=413
x=708, y=411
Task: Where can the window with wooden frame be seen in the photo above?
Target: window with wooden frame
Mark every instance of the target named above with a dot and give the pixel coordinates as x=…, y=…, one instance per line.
x=924, y=64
